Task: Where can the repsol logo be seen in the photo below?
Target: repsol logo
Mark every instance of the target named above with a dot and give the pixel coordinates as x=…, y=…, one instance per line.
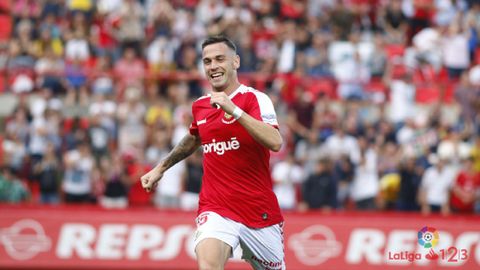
x=220, y=147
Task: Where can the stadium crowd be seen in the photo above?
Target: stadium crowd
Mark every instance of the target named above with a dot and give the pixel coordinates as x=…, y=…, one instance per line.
x=378, y=101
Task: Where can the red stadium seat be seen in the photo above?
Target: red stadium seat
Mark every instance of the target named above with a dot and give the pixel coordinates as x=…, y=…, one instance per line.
x=324, y=86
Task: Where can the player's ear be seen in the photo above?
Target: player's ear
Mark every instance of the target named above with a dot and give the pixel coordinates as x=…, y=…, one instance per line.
x=236, y=61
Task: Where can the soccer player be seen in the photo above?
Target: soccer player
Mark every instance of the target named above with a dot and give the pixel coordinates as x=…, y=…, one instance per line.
x=237, y=127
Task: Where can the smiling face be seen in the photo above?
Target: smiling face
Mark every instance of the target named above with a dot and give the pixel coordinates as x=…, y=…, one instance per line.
x=220, y=64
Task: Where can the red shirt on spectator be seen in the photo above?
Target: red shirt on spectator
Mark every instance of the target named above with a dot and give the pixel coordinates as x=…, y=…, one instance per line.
x=423, y=9
x=468, y=183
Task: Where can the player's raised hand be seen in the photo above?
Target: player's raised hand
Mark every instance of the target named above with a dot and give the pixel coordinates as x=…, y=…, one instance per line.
x=223, y=101
x=150, y=179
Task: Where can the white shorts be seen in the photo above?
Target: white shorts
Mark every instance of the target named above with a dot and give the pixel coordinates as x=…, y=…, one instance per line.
x=262, y=248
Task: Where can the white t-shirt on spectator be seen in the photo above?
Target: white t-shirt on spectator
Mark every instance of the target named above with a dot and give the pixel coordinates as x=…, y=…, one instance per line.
x=437, y=184
x=285, y=175
x=172, y=180
x=38, y=142
x=455, y=51
x=402, y=100
x=366, y=181
x=286, y=58
x=345, y=145
x=161, y=51
x=405, y=135
x=77, y=49
x=77, y=180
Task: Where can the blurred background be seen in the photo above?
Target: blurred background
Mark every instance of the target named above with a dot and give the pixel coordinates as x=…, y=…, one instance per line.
x=378, y=103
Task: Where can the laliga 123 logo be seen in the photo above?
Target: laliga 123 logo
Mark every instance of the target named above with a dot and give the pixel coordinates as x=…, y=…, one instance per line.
x=428, y=238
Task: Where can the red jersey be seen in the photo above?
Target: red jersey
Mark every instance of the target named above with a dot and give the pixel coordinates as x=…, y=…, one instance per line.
x=236, y=183
x=469, y=183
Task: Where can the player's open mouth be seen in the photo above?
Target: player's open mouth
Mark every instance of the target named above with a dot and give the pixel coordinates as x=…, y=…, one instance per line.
x=216, y=75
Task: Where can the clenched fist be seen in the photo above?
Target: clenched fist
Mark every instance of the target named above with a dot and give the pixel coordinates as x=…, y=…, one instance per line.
x=221, y=100
x=150, y=179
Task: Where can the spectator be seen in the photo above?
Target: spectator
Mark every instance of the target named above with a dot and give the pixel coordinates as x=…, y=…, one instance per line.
x=388, y=158
x=115, y=181
x=425, y=48
x=131, y=130
x=246, y=52
x=316, y=56
x=160, y=17
x=18, y=125
x=12, y=190
x=455, y=51
x=435, y=187
x=26, y=9
x=77, y=181
x=465, y=188
x=49, y=176
x=453, y=148
x=102, y=81
x=14, y=152
x=20, y=68
x=99, y=138
x=49, y=69
x=50, y=24
x=342, y=20
x=193, y=182
x=106, y=110
x=447, y=11
x=466, y=94
x=308, y=150
x=287, y=177
x=77, y=47
x=209, y=10
x=344, y=171
x=410, y=179
x=130, y=26
x=160, y=54
x=352, y=74
x=129, y=70
x=319, y=188
x=340, y=143
x=286, y=54
x=365, y=186
x=402, y=97
x=102, y=32
x=47, y=42
x=76, y=77
x=187, y=27
x=377, y=60
x=394, y=22
x=169, y=190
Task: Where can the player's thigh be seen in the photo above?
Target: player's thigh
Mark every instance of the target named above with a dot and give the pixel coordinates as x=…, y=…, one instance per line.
x=263, y=248
x=212, y=253
x=215, y=239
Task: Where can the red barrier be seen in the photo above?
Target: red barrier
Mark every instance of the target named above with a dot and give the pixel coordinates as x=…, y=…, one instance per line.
x=92, y=238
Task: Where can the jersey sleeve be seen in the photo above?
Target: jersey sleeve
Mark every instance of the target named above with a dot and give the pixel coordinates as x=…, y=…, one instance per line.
x=262, y=107
x=193, y=126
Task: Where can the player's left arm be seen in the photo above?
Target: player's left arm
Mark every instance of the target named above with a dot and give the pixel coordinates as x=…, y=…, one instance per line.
x=263, y=133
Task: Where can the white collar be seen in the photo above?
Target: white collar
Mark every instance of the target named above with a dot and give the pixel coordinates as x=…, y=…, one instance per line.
x=241, y=88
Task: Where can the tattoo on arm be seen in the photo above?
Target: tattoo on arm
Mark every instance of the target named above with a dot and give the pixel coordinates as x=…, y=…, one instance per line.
x=183, y=149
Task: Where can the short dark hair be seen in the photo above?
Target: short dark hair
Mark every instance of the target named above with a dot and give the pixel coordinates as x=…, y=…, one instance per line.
x=219, y=39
